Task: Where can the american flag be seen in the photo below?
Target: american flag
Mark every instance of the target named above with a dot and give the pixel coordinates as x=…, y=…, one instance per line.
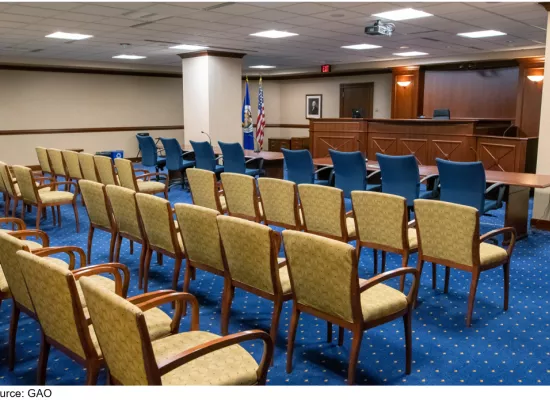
x=260, y=122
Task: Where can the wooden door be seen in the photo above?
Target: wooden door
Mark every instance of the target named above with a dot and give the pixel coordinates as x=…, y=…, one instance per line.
x=356, y=96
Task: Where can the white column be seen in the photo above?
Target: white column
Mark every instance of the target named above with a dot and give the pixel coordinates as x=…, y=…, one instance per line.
x=212, y=96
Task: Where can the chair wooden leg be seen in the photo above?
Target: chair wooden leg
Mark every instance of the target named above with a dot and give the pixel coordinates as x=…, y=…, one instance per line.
x=131, y=247
x=112, y=246
x=472, y=297
x=92, y=372
x=159, y=258
x=404, y=264
x=54, y=217
x=506, y=269
x=23, y=210
x=38, y=215
x=177, y=268
x=383, y=261
x=434, y=275
x=292, y=337
x=15, y=204
x=75, y=216
x=340, y=336
x=375, y=255
x=118, y=242
x=227, y=299
x=43, y=360
x=7, y=206
x=59, y=215
x=141, y=261
x=146, y=270
x=186, y=283
x=329, y=332
x=447, y=277
x=354, y=354
x=15, y=312
x=277, y=308
x=407, y=320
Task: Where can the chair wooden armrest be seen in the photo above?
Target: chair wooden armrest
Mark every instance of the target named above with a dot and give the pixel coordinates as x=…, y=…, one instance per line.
x=141, y=298
x=17, y=221
x=160, y=174
x=411, y=224
x=56, y=184
x=121, y=283
x=23, y=234
x=500, y=231
x=428, y=177
x=69, y=250
x=41, y=178
x=411, y=297
x=169, y=364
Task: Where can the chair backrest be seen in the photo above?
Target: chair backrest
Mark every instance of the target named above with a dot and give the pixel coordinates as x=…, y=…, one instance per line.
x=53, y=292
x=381, y=219
x=323, y=274
x=56, y=161
x=43, y=160
x=124, y=206
x=174, y=159
x=447, y=232
x=95, y=199
x=7, y=178
x=241, y=196
x=233, y=157
x=87, y=166
x=299, y=166
x=126, y=174
x=26, y=183
x=442, y=113
x=72, y=163
x=323, y=210
x=158, y=222
x=350, y=171
x=201, y=238
x=148, y=150
x=122, y=334
x=280, y=202
x=204, y=155
x=400, y=176
x=251, y=251
x=462, y=182
x=204, y=188
x=3, y=188
x=9, y=246
x=105, y=170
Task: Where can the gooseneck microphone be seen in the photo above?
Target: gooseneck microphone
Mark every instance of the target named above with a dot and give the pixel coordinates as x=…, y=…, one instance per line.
x=209, y=138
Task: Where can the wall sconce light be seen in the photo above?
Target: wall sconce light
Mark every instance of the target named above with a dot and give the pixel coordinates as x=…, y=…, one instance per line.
x=536, y=78
x=404, y=83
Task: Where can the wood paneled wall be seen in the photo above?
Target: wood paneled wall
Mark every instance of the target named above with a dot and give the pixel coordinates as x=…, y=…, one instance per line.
x=529, y=97
x=407, y=100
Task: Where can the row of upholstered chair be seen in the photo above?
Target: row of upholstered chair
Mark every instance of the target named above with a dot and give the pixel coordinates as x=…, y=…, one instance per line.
x=87, y=316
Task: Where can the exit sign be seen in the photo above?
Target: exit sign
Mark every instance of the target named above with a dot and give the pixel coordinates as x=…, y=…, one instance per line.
x=325, y=68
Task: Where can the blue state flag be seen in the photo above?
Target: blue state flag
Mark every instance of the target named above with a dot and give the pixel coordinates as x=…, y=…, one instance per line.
x=248, y=127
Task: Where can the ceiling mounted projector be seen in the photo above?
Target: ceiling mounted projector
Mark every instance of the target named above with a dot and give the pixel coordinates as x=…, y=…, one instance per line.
x=380, y=29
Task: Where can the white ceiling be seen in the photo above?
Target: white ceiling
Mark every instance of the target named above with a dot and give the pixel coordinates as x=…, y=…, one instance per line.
x=323, y=27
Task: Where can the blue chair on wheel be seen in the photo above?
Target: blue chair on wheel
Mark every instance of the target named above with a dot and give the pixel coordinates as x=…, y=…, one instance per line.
x=149, y=153
x=299, y=168
x=400, y=176
x=234, y=160
x=465, y=183
x=205, y=157
x=175, y=160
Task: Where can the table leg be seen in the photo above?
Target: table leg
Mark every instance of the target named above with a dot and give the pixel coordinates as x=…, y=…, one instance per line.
x=517, y=211
x=273, y=168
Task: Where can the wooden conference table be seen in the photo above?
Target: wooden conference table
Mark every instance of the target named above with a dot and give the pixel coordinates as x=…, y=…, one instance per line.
x=517, y=201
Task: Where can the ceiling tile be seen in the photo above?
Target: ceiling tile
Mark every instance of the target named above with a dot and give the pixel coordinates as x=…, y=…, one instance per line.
x=272, y=15
x=18, y=18
x=53, y=5
x=100, y=10
x=307, y=8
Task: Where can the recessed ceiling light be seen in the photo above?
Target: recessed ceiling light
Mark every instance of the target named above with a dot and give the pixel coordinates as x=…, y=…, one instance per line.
x=68, y=36
x=129, y=57
x=403, y=14
x=273, y=34
x=481, y=34
x=361, y=46
x=188, y=47
x=410, y=54
x=404, y=47
x=262, y=66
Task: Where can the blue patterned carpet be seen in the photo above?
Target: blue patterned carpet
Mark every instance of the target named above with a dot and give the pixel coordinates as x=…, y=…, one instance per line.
x=510, y=347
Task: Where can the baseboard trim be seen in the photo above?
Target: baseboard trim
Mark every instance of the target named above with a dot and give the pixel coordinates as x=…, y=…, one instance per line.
x=542, y=224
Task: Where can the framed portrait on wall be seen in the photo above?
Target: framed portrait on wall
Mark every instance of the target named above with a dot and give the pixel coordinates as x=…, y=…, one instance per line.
x=314, y=105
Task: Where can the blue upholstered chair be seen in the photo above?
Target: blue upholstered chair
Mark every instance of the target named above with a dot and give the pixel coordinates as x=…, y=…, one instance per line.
x=442, y=113
x=300, y=169
x=400, y=176
x=350, y=172
x=234, y=160
x=149, y=153
x=175, y=161
x=464, y=183
x=205, y=157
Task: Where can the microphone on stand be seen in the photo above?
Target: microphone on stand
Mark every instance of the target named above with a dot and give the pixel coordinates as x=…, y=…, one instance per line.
x=209, y=138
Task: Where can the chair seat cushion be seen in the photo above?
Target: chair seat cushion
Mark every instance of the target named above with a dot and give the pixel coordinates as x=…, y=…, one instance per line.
x=284, y=278
x=427, y=194
x=323, y=182
x=413, y=239
x=223, y=203
x=350, y=226
x=158, y=323
x=56, y=196
x=231, y=365
x=252, y=172
x=219, y=169
x=374, y=188
x=32, y=245
x=380, y=301
x=4, y=288
x=151, y=186
x=490, y=254
x=490, y=205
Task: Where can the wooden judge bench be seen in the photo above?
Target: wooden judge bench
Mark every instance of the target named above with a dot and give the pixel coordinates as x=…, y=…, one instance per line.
x=491, y=141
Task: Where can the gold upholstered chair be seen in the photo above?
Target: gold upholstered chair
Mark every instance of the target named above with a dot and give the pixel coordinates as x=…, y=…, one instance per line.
x=160, y=234
x=87, y=166
x=44, y=161
x=33, y=196
x=251, y=264
x=189, y=358
x=105, y=169
x=324, y=212
x=326, y=284
x=62, y=310
x=204, y=189
x=241, y=195
x=72, y=167
x=11, y=190
x=448, y=234
x=279, y=199
x=57, y=165
x=382, y=224
x=140, y=183
x=99, y=213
